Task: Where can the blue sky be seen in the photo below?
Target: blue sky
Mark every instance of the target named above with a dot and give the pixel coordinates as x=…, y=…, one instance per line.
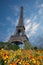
x=33, y=19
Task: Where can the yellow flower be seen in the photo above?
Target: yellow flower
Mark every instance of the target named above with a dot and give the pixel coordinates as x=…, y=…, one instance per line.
x=10, y=64
x=34, y=61
x=38, y=63
x=8, y=61
x=25, y=57
x=2, y=49
x=19, y=62
x=5, y=61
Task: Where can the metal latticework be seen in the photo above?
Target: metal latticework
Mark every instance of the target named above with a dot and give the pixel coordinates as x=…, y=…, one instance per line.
x=20, y=30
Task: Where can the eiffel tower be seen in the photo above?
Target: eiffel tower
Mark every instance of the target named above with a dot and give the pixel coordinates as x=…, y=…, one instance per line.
x=19, y=35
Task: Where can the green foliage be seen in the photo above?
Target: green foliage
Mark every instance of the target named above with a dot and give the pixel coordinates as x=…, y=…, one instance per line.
x=35, y=48
x=1, y=61
x=40, y=48
x=13, y=47
x=8, y=46
x=27, y=45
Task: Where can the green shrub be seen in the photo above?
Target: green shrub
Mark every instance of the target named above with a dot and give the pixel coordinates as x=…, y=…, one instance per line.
x=7, y=45
x=13, y=47
x=1, y=61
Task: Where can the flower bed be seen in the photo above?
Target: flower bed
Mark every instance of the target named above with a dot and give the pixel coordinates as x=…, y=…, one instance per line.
x=21, y=57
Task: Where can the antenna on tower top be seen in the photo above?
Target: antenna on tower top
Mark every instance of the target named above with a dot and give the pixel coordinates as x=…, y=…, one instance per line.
x=21, y=17
x=21, y=11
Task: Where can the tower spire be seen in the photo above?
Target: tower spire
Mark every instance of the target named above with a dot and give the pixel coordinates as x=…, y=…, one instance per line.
x=21, y=17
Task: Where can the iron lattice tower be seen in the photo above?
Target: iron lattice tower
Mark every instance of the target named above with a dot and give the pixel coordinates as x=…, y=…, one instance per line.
x=20, y=31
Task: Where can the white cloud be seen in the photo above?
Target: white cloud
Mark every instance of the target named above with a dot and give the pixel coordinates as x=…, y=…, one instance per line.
x=39, y=3
x=28, y=27
x=34, y=27
x=40, y=11
x=31, y=27
x=40, y=6
x=27, y=21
